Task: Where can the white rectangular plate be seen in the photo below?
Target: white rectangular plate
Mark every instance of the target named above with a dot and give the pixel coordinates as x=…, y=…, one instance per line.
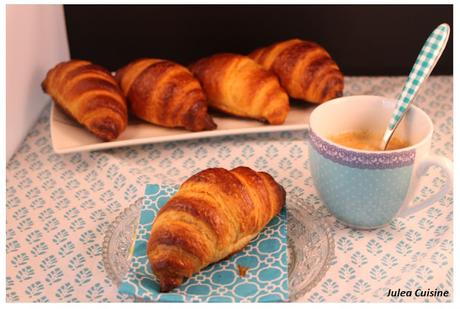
x=68, y=136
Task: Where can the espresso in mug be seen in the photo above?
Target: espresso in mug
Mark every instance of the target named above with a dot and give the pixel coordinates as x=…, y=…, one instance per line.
x=366, y=140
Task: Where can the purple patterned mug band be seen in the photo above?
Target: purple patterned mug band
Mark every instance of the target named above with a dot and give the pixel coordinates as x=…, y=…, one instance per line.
x=380, y=160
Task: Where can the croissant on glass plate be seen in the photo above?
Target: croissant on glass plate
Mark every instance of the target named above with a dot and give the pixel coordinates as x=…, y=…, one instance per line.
x=237, y=85
x=165, y=93
x=304, y=69
x=89, y=94
x=215, y=214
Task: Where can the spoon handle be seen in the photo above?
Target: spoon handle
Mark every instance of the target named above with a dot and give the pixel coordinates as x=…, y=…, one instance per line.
x=426, y=61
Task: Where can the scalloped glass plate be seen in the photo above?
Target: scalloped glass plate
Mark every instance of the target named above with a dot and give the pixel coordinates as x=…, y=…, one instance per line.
x=310, y=245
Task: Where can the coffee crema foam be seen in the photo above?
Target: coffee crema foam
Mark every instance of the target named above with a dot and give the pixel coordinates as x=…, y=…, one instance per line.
x=367, y=140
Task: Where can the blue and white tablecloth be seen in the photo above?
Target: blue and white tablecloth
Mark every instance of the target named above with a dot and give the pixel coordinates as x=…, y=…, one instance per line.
x=59, y=206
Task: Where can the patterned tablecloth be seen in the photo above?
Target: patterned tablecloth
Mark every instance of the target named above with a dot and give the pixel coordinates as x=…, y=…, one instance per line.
x=59, y=206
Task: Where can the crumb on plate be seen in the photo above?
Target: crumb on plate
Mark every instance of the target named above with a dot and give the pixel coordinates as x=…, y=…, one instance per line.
x=242, y=270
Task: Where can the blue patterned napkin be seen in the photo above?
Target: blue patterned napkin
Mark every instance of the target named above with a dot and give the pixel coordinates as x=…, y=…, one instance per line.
x=266, y=258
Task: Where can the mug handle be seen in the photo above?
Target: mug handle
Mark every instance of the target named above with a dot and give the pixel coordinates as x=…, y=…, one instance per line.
x=446, y=165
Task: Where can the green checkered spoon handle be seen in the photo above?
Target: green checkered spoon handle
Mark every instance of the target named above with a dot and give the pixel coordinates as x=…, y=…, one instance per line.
x=426, y=61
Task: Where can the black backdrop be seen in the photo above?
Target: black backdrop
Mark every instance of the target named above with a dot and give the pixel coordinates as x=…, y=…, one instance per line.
x=363, y=39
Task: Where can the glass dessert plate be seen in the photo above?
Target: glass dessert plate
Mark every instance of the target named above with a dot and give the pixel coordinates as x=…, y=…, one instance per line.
x=310, y=245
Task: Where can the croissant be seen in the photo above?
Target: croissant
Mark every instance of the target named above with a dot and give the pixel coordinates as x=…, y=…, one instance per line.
x=237, y=85
x=215, y=214
x=90, y=95
x=165, y=93
x=304, y=69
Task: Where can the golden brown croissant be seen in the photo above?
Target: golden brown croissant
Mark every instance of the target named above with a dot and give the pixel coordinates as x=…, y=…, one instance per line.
x=89, y=94
x=304, y=68
x=214, y=214
x=165, y=93
x=237, y=85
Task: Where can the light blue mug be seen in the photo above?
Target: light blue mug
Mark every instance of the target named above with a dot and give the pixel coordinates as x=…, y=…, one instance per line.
x=367, y=189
